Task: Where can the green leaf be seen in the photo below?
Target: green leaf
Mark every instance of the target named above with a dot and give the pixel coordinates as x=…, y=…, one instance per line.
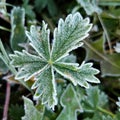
x=109, y=63
x=18, y=30
x=78, y=75
x=29, y=65
x=70, y=104
x=94, y=100
x=100, y=116
x=31, y=112
x=68, y=35
x=44, y=62
x=45, y=84
x=90, y=6
x=39, y=40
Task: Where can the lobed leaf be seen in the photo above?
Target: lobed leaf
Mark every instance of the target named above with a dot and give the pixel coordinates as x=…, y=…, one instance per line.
x=70, y=104
x=31, y=112
x=41, y=66
x=39, y=40
x=68, y=35
x=78, y=75
x=46, y=88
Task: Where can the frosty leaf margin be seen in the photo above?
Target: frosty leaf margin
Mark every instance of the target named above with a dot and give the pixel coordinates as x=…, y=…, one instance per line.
x=43, y=64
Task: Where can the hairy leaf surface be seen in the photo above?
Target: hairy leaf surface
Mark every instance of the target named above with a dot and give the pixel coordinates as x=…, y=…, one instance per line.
x=45, y=84
x=42, y=65
x=78, y=75
x=29, y=65
x=70, y=104
x=39, y=40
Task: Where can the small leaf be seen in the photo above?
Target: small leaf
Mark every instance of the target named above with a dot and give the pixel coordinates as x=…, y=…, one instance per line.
x=46, y=88
x=68, y=35
x=70, y=104
x=18, y=30
x=31, y=112
x=90, y=6
x=78, y=75
x=40, y=40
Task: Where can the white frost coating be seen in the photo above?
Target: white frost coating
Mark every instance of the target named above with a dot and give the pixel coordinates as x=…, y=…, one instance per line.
x=67, y=37
x=55, y=91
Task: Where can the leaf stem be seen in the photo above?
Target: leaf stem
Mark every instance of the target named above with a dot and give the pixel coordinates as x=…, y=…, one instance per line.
x=7, y=100
x=106, y=33
x=106, y=112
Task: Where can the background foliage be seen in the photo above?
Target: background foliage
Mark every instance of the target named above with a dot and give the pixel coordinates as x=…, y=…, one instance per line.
x=100, y=101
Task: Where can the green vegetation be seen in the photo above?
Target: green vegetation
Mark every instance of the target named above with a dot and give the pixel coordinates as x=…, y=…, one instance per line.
x=60, y=60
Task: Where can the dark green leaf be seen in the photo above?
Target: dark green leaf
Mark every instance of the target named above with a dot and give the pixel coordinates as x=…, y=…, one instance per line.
x=18, y=30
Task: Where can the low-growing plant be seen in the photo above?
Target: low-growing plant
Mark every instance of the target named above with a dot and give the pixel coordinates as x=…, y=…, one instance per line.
x=60, y=87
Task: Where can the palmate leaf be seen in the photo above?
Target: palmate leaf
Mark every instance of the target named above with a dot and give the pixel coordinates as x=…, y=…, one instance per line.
x=31, y=112
x=68, y=35
x=42, y=65
x=70, y=103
